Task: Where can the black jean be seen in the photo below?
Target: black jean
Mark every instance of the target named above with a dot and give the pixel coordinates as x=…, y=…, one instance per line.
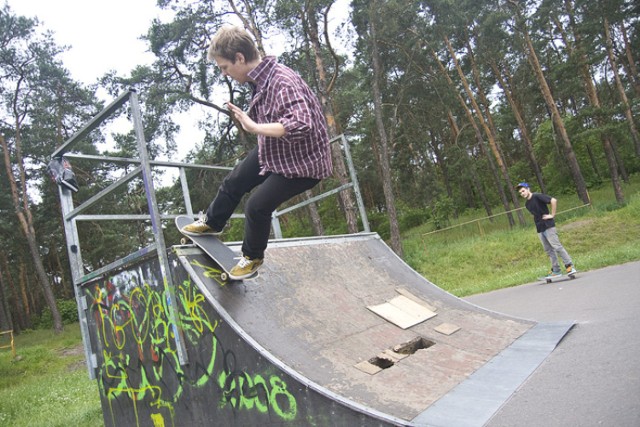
x=272, y=190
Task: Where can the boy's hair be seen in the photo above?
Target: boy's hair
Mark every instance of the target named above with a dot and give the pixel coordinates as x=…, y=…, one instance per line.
x=230, y=40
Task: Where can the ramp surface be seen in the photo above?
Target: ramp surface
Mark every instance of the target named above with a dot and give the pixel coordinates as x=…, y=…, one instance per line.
x=334, y=331
x=311, y=309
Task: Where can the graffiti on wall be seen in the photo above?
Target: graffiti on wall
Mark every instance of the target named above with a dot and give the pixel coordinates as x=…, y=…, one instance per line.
x=140, y=369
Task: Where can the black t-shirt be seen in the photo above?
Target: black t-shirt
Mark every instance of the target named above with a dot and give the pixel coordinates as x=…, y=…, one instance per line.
x=537, y=205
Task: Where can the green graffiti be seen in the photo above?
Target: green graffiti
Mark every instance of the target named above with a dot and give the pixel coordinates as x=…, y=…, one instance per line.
x=158, y=420
x=246, y=393
x=279, y=388
x=210, y=272
x=140, y=360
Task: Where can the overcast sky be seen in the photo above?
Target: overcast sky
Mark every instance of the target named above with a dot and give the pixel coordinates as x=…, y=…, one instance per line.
x=105, y=35
x=101, y=35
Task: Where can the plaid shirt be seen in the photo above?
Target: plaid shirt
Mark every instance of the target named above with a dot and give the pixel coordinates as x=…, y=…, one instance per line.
x=280, y=95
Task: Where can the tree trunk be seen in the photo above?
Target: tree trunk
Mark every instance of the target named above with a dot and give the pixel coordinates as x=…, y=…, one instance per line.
x=507, y=89
x=442, y=164
x=592, y=95
x=21, y=320
x=316, y=220
x=396, y=243
x=622, y=169
x=488, y=125
x=23, y=290
x=478, y=136
x=621, y=93
x=324, y=90
x=592, y=160
x=475, y=180
x=556, y=118
x=5, y=312
x=633, y=69
x=23, y=213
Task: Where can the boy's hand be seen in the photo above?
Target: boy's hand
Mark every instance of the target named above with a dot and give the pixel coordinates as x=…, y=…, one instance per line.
x=243, y=118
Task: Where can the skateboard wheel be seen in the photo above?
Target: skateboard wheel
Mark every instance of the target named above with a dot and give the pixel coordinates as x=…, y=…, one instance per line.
x=224, y=277
x=549, y=280
x=184, y=241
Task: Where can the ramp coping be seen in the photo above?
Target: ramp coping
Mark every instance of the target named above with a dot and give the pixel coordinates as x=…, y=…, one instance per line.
x=474, y=401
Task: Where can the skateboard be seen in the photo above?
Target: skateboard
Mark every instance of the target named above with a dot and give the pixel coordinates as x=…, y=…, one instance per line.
x=555, y=279
x=214, y=248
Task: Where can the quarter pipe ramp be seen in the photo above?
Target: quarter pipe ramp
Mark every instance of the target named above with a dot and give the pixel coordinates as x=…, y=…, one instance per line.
x=334, y=331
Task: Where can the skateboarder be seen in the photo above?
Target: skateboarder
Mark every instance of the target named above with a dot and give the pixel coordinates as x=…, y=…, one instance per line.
x=545, y=226
x=292, y=155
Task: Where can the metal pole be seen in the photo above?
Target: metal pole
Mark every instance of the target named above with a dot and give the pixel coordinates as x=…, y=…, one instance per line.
x=77, y=271
x=275, y=224
x=356, y=186
x=156, y=224
x=185, y=192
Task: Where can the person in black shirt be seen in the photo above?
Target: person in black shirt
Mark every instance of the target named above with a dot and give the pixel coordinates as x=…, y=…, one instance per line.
x=538, y=205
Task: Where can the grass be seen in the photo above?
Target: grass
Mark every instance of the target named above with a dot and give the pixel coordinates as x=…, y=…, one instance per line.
x=49, y=384
x=467, y=260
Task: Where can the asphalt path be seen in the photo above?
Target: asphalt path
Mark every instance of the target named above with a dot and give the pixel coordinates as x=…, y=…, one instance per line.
x=593, y=377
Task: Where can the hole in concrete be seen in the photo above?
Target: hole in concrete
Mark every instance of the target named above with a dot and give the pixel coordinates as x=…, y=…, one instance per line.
x=381, y=362
x=412, y=346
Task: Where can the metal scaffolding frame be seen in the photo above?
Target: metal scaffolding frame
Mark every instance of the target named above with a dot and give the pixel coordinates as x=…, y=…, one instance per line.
x=143, y=168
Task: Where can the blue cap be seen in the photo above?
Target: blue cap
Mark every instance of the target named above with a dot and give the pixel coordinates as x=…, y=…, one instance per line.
x=522, y=185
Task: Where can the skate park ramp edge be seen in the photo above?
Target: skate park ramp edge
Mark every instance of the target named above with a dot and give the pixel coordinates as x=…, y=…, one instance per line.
x=315, y=312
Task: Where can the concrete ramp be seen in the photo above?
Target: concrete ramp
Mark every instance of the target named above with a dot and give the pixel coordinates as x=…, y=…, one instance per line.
x=334, y=331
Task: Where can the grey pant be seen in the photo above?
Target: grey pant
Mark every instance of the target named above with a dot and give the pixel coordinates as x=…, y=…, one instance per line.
x=553, y=247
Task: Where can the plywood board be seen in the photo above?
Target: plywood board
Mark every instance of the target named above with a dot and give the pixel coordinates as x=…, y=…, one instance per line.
x=402, y=312
x=368, y=368
x=406, y=293
x=447, y=328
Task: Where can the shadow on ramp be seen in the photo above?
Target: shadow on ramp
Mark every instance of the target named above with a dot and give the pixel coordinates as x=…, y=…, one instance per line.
x=334, y=331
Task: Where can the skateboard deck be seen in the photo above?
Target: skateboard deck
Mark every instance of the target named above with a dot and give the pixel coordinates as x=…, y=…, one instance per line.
x=214, y=248
x=559, y=278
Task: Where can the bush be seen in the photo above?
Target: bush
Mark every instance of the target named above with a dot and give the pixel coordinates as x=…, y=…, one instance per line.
x=441, y=211
x=379, y=223
x=611, y=206
x=413, y=217
x=68, y=312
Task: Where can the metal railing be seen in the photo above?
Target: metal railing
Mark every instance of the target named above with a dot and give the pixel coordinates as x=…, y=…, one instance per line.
x=143, y=168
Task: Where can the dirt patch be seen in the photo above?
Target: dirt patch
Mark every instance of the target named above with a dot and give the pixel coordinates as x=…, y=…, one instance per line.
x=577, y=224
x=73, y=352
